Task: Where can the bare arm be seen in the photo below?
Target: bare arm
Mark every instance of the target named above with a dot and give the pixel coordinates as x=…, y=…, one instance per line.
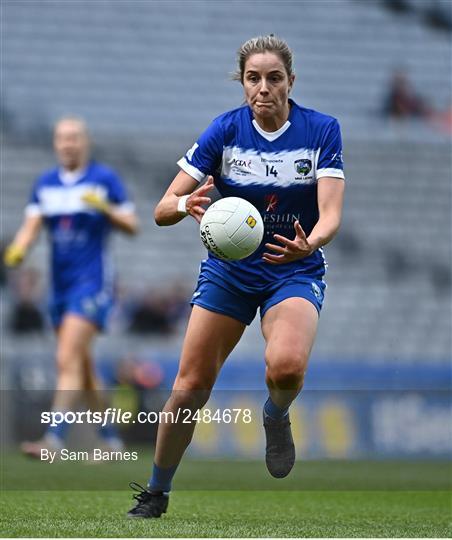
x=125, y=221
x=28, y=232
x=330, y=196
x=23, y=240
x=166, y=212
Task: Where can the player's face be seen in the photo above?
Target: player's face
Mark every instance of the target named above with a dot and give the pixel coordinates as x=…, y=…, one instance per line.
x=267, y=88
x=71, y=144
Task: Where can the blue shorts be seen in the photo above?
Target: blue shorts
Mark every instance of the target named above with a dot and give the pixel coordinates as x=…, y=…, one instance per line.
x=93, y=307
x=227, y=299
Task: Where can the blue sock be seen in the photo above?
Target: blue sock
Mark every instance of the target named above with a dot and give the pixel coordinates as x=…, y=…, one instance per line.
x=59, y=431
x=109, y=432
x=273, y=411
x=161, y=478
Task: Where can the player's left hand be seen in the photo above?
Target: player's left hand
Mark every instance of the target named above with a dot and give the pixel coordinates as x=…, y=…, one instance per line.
x=96, y=201
x=291, y=250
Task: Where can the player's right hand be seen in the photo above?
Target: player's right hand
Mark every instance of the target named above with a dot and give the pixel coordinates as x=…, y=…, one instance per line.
x=13, y=255
x=198, y=198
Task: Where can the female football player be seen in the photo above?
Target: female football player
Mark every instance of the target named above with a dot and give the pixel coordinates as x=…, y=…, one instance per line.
x=79, y=202
x=287, y=161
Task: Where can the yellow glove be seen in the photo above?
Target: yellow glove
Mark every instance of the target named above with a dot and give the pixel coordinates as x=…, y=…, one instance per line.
x=13, y=255
x=96, y=201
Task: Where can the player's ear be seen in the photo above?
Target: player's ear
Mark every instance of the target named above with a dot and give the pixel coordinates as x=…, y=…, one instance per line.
x=291, y=81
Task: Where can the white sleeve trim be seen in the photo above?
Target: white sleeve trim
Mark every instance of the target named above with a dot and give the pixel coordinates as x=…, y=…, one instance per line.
x=32, y=210
x=333, y=173
x=125, y=207
x=198, y=175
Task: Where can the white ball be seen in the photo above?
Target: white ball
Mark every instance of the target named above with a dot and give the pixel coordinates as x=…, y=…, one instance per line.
x=232, y=228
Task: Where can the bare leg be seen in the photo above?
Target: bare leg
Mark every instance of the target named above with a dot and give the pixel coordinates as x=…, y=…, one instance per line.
x=289, y=329
x=95, y=396
x=209, y=339
x=75, y=336
x=74, y=368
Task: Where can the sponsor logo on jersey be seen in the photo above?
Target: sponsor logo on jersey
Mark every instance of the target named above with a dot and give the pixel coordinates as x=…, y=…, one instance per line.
x=65, y=222
x=271, y=202
x=281, y=218
x=241, y=167
x=251, y=222
x=275, y=221
x=241, y=163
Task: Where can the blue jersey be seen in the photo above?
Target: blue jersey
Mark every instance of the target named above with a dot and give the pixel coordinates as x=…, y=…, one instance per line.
x=78, y=233
x=277, y=172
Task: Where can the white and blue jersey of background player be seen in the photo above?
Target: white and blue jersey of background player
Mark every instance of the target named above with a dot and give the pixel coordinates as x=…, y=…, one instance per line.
x=277, y=172
x=82, y=279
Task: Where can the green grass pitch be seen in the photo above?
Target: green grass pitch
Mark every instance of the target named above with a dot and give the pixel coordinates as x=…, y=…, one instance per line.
x=319, y=499
x=231, y=514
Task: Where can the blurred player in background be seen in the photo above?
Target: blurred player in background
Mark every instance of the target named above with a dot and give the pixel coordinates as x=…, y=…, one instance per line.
x=79, y=202
x=287, y=161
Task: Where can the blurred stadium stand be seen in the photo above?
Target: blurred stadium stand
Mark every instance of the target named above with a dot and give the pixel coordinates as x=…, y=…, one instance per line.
x=149, y=77
x=436, y=13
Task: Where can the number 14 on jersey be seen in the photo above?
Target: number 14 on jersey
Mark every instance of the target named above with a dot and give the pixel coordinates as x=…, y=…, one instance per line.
x=270, y=169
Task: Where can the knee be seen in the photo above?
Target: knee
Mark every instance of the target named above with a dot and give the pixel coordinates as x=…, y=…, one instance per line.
x=195, y=379
x=286, y=370
x=192, y=399
x=191, y=391
x=69, y=361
